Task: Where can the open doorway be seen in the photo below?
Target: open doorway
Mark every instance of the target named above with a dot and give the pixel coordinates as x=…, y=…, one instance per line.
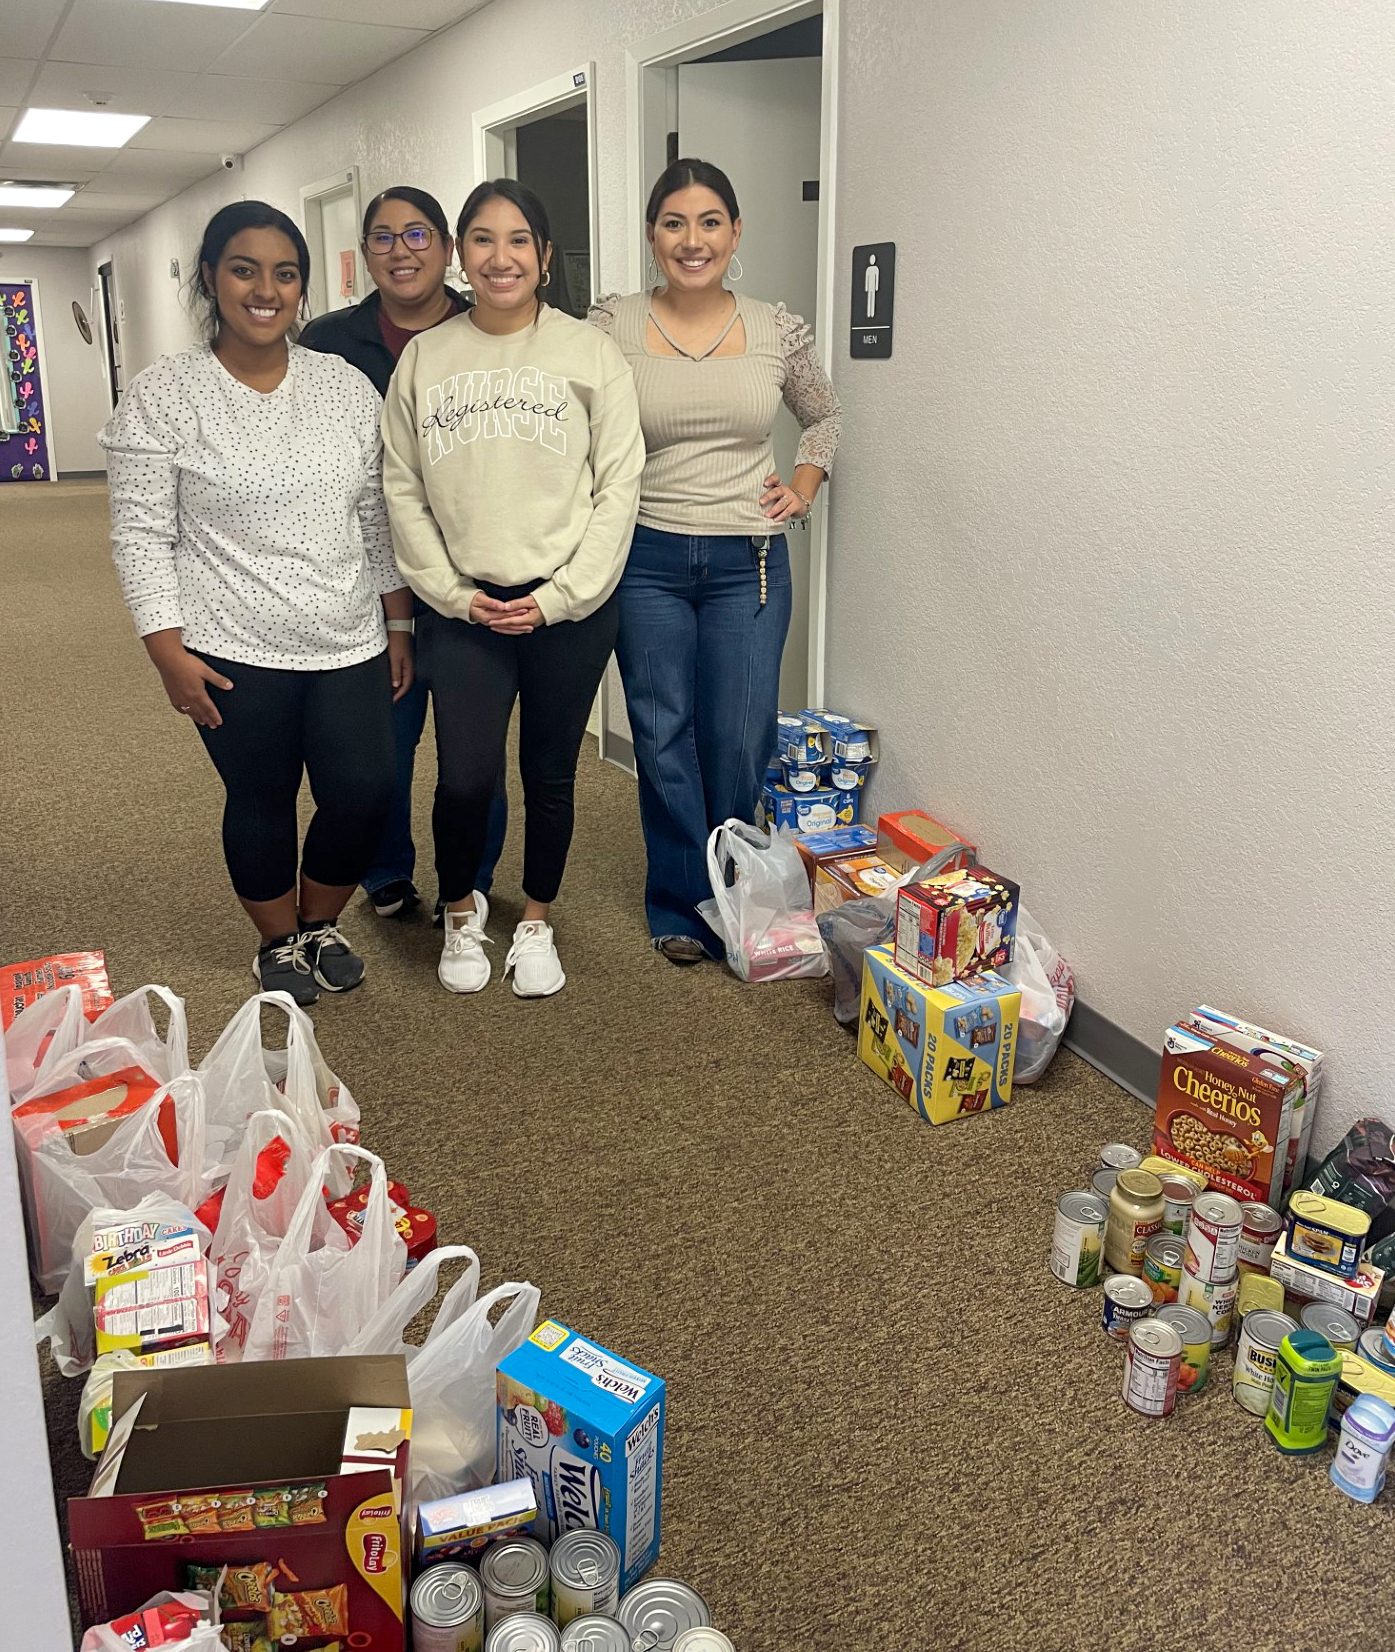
x=111, y=330
x=331, y=214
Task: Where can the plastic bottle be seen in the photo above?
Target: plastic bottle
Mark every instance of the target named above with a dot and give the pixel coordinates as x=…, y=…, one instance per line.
x=1368, y=1428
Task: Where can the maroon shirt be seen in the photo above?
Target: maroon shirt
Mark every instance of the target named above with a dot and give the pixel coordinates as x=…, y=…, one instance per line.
x=398, y=338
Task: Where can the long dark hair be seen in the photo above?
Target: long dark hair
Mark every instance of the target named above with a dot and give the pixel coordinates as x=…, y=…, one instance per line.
x=220, y=229
x=519, y=195
x=427, y=205
x=684, y=174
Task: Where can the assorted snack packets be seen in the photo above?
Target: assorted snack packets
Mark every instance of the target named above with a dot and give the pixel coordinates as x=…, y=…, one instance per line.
x=248, y=1587
x=264, y=1509
x=310, y=1612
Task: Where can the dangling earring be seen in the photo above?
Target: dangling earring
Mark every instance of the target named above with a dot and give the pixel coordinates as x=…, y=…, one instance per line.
x=651, y=275
x=546, y=279
x=734, y=269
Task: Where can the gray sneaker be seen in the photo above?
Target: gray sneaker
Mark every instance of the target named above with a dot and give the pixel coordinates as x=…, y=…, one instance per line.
x=282, y=966
x=333, y=965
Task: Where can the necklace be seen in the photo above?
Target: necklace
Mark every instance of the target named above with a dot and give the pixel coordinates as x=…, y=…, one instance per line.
x=702, y=354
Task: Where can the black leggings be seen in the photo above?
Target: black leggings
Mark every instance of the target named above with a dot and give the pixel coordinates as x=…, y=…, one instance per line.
x=475, y=677
x=337, y=725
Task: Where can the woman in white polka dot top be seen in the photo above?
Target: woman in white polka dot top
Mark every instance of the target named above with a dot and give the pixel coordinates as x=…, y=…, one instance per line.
x=253, y=547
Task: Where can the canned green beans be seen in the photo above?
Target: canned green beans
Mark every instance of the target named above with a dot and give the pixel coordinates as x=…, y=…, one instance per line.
x=1077, y=1245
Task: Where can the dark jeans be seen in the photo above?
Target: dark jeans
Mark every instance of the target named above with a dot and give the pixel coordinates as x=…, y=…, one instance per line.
x=278, y=726
x=700, y=659
x=475, y=677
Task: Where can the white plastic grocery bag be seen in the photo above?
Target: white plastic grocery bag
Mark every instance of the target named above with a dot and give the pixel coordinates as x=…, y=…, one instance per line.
x=386, y=1332
x=269, y=1176
x=1047, y=984
x=124, y=1035
x=48, y=1028
x=321, y=1287
x=241, y=1078
x=761, y=904
x=130, y=1018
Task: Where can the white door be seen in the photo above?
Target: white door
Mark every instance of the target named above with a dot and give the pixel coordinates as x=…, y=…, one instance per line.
x=338, y=249
x=759, y=122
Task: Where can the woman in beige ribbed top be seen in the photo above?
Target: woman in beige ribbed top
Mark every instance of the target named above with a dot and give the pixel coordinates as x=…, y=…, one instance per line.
x=705, y=598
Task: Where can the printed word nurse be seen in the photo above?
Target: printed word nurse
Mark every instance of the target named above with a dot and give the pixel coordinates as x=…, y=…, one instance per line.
x=486, y=406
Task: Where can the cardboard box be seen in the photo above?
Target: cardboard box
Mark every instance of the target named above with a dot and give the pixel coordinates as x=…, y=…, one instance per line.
x=850, y=876
x=947, y=1050
x=587, y=1429
x=98, y=1420
x=910, y=837
x=237, y=1436
x=1358, y=1296
x=173, y=1248
x=88, y=1112
x=955, y=924
x=821, y=810
x=146, y=1309
x=461, y=1528
x=802, y=742
x=1225, y=1112
x=24, y=984
x=815, y=847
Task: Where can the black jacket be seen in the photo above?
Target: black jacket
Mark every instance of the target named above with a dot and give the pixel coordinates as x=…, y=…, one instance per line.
x=354, y=334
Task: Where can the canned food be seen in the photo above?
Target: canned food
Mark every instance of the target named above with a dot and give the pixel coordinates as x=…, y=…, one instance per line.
x=657, y=1611
x=594, y=1633
x=1213, y=1238
x=1213, y=1297
x=1178, y=1197
x=448, y=1610
x=1261, y=1226
x=1166, y=1167
x=1340, y=1329
x=1195, y=1331
x=585, y=1568
x=1306, y=1370
x=1078, y=1241
x=1135, y=1215
x=1372, y=1347
x=1261, y=1332
x=1162, y=1266
x=1103, y=1182
x=1119, y=1155
x=1326, y=1233
x=1152, y=1361
x=515, y=1578
x=703, y=1640
x=1258, y=1290
x=1126, y=1301
x=524, y=1632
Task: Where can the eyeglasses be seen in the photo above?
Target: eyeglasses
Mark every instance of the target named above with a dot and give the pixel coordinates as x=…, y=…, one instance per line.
x=416, y=239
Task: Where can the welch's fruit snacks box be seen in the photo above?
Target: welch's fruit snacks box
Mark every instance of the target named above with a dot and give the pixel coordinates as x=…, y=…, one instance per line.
x=587, y=1428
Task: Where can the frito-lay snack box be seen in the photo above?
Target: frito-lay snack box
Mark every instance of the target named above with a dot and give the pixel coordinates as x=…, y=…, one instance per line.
x=243, y=1466
x=955, y=924
x=1226, y=1112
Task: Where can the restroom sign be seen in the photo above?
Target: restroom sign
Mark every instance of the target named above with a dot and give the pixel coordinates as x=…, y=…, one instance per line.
x=873, y=292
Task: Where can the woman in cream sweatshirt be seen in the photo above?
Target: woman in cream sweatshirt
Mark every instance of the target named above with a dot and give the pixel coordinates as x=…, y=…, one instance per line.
x=512, y=456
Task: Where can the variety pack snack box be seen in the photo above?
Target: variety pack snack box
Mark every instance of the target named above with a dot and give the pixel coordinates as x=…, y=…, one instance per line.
x=947, y=1050
x=955, y=924
x=817, y=847
x=586, y=1428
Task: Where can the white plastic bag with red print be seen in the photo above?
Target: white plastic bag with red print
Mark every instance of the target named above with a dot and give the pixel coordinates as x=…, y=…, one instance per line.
x=49, y=1027
x=125, y=1035
x=761, y=905
x=1047, y=984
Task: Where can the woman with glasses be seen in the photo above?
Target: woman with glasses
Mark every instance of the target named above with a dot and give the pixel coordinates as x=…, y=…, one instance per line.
x=407, y=247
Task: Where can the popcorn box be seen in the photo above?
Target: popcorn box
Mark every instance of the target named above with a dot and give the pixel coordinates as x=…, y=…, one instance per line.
x=910, y=837
x=849, y=876
x=955, y=924
x=1225, y=1112
x=947, y=1050
x=587, y=1429
x=820, y=810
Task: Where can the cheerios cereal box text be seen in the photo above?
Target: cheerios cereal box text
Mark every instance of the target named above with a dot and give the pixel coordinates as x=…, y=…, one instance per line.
x=587, y=1428
x=1226, y=1112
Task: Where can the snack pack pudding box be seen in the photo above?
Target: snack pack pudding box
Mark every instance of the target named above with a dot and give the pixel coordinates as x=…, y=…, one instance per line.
x=289, y=1471
x=587, y=1428
x=947, y=1050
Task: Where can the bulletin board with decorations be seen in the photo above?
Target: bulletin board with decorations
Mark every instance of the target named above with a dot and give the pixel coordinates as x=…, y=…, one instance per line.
x=24, y=448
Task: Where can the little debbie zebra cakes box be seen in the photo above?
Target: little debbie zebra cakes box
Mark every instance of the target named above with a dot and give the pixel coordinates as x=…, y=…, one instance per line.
x=1226, y=1112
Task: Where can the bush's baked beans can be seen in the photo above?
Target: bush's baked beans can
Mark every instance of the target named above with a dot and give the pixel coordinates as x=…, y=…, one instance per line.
x=1261, y=1332
x=1077, y=1245
x=515, y=1578
x=1260, y=1228
x=1152, y=1360
x=1213, y=1238
x=585, y=1568
x=1179, y=1194
x=1103, y=1182
x=1126, y=1301
x=448, y=1609
x=1213, y=1297
x=1195, y=1331
x=1119, y=1155
x=1336, y=1324
x=1162, y=1266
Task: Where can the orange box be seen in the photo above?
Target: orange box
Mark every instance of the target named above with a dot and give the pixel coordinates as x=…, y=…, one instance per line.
x=88, y=1113
x=22, y=984
x=910, y=837
x=849, y=877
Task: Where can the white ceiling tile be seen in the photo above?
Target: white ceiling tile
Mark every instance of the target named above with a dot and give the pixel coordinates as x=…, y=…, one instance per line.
x=159, y=167
x=233, y=97
x=51, y=160
x=143, y=35
x=136, y=91
x=24, y=218
x=113, y=199
x=218, y=136
x=15, y=76
x=7, y=117
x=27, y=26
x=276, y=47
x=76, y=235
x=406, y=14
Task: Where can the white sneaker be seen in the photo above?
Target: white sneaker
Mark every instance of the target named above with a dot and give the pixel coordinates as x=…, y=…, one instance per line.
x=464, y=966
x=537, y=970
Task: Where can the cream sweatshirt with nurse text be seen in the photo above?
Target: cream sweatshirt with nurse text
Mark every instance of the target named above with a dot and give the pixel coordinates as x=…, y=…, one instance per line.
x=512, y=458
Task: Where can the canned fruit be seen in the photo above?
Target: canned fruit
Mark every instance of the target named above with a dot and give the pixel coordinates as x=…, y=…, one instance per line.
x=1077, y=1245
x=1126, y=1301
x=1152, y=1364
x=1195, y=1331
x=1326, y=1233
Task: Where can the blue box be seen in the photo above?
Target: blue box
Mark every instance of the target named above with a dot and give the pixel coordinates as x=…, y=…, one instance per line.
x=842, y=840
x=849, y=740
x=821, y=810
x=587, y=1428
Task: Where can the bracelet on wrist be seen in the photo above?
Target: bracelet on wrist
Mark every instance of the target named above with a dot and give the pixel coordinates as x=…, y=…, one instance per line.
x=402, y=625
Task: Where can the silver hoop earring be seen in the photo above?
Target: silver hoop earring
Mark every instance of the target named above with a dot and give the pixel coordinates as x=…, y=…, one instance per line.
x=651, y=275
x=546, y=279
x=734, y=269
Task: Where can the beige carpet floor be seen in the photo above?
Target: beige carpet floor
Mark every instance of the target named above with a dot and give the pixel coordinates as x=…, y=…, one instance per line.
x=888, y=1425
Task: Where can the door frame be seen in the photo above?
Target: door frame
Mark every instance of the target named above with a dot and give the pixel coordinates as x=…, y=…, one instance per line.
x=105, y=295
x=311, y=221
x=648, y=65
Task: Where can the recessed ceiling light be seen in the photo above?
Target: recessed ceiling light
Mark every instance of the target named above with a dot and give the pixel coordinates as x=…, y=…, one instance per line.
x=38, y=197
x=85, y=128
x=15, y=234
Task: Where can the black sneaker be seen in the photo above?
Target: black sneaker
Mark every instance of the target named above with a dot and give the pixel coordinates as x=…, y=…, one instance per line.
x=396, y=899
x=333, y=965
x=282, y=966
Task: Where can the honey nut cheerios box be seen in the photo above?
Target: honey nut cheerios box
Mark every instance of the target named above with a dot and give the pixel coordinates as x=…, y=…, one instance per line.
x=1226, y=1112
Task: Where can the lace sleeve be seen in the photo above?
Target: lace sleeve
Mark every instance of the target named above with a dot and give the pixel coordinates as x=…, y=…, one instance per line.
x=809, y=393
x=602, y=312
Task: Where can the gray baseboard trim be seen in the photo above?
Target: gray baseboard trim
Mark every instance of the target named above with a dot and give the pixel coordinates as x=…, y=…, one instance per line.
x=82, y=476
x=620, y=751
x=1131, y=1063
